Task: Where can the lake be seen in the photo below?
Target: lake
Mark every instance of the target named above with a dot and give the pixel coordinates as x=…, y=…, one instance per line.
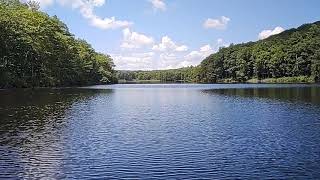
x=161, y=131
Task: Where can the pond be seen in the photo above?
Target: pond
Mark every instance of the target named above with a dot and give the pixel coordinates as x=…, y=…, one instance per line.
x=161, y=131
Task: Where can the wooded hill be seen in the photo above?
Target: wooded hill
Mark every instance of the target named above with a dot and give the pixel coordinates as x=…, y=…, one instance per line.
x=37, y=50
x=292, y=53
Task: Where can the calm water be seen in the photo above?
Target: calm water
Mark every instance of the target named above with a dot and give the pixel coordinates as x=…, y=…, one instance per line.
x=161, y=132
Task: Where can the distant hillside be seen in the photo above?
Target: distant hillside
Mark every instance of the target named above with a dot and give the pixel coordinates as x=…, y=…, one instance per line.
x=294, y=54
x=187, y=74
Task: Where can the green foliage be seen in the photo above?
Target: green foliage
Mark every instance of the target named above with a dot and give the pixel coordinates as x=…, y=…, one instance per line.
x=188, y=74
x=298, y=79
x=39, y=51
x=286, y=57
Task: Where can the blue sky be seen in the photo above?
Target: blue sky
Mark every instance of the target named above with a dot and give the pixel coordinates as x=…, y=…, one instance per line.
x=162, y=34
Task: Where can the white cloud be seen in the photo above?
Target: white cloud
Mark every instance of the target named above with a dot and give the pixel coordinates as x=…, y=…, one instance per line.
x=97, y=2
x=109, y=23
x=198, y=56
x=86, y=8
x=45, y=3
x=174, y=60
x=219, y=41
x=150, y=61
x=78, y=3
x=168, y=61
x=186, y=64
x=216, y=23
x=195, y=57
x=133, y=40
x=206, y=48
x=134, y=61
x=181, y=48
x=267, y=33
x=164, y=57
x=158, y=5
x=168, y=45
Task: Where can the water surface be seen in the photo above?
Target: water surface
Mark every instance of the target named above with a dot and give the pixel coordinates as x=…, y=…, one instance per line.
x=159, y=131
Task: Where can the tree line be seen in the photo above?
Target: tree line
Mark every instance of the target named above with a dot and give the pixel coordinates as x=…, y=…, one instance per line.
x=187, y=74
x=37, y=50
x=292, y=53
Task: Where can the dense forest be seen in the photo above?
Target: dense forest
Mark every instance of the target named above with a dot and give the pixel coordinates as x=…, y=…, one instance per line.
x=187, y=74
x=292, y=53
x=291, y=56
x=37, y=50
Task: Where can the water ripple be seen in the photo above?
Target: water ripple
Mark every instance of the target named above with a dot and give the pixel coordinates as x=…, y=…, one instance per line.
x=161, y=132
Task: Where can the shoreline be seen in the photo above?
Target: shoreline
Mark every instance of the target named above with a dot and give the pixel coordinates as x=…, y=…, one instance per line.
x=76, y=87
x=226, y=81
x=281, y=80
